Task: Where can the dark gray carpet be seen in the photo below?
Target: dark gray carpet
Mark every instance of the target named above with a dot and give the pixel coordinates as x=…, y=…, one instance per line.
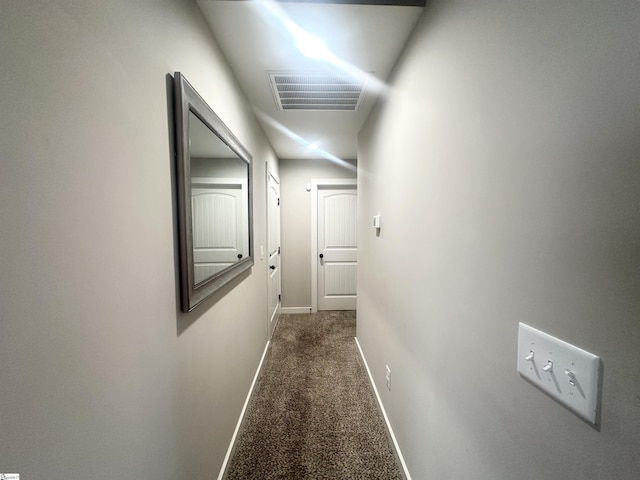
x=313, y=414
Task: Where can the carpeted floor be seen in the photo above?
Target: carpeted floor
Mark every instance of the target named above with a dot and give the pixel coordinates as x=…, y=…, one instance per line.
x=313, y=413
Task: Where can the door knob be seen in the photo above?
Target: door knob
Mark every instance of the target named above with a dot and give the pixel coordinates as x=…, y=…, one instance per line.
x=272, y=267
x=239, y=255
x=322, y=255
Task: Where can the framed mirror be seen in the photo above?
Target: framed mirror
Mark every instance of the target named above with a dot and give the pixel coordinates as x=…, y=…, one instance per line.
x=214, y=199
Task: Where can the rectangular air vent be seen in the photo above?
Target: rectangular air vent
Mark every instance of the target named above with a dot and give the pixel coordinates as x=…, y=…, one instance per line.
x=302, y=91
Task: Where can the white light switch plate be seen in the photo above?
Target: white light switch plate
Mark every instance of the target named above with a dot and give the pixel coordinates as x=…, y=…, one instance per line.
x=564, y=372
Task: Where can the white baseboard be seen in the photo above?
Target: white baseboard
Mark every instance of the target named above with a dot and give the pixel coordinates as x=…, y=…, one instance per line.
x=244, y=409
x=295, y=310
x=384, y=414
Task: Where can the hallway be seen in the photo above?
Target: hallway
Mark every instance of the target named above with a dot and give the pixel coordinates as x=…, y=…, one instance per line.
x=503, y=165
x=313, y=413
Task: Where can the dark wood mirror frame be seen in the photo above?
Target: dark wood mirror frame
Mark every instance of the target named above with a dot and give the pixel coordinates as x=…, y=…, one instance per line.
x=187, y=101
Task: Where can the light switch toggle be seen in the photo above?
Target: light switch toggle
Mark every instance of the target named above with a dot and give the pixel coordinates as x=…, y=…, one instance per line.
x=548, y=367
x=572, y=377
x=529, y=358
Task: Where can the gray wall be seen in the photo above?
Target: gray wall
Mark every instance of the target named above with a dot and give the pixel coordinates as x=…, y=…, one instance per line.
x=506, y=166
x=101, y=376
x=218, y=167
x=295, y=227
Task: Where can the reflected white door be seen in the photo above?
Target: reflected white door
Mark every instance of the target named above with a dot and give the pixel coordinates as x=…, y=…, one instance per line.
x=337, y=248
x=273, y=247
x=220, y=203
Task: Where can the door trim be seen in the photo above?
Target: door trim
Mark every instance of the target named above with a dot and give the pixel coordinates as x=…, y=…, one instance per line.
x=315, y=185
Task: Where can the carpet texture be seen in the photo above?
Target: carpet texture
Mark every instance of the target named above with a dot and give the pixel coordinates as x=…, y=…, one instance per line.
x=313, y=413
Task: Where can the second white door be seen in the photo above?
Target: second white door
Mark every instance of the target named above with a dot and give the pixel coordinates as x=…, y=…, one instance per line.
x=273, y=247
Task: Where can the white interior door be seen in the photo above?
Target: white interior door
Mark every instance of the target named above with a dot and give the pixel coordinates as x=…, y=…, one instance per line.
x=337, y=247
x=273, y=247
x=219, y=202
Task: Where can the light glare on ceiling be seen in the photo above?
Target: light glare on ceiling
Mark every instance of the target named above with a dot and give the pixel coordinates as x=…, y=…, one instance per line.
x=314, y=47
x=310, y=45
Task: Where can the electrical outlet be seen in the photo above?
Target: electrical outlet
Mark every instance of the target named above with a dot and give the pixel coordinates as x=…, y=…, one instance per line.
x=388, y=377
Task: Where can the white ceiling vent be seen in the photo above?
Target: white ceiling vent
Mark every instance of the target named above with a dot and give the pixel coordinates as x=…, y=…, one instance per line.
x=312, y=91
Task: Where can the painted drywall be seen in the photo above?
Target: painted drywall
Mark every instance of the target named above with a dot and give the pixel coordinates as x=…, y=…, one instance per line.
x=505, y=163
x=218, y=167
x=102, y=376
x=295, y=227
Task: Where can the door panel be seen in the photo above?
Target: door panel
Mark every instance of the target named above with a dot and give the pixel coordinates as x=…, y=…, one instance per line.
x=337, y=243
x=340, y=279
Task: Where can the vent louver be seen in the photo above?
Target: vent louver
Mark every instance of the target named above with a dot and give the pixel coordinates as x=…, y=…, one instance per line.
x=301, y=91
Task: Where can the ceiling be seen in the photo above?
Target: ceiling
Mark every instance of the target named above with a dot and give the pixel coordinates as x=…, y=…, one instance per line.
x=363, y=42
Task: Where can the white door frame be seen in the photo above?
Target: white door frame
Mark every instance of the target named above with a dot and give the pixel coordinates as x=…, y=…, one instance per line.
x=315, y=184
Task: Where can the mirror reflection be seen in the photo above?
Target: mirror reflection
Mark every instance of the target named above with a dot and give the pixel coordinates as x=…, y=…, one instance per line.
x=219, y=202
x=214, y=195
